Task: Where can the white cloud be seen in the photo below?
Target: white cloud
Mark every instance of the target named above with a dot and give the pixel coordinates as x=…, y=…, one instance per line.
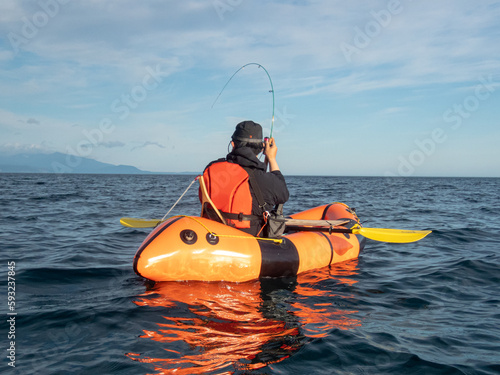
x=111, y=144
x=6, y=55
x=32, y=121
x=23, y=148
x=91, y=53
x=116, y=39
x=146, y=144
x=10, y=10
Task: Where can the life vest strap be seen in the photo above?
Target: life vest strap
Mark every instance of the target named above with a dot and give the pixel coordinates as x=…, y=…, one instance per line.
x=240, y=216
x=256, y=189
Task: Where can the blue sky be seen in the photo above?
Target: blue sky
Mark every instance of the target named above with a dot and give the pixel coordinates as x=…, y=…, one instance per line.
x=375, y=88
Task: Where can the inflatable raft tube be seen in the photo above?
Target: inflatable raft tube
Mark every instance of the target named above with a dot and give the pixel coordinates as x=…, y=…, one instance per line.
x=185, y=248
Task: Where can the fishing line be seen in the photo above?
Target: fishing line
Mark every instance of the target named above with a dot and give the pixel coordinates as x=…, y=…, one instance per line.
x=271, y=91
x=178, y=200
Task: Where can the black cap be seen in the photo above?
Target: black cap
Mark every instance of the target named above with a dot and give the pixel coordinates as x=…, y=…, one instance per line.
x=248, y=131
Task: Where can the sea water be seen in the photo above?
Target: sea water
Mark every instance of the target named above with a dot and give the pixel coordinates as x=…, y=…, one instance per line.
x=72, y=304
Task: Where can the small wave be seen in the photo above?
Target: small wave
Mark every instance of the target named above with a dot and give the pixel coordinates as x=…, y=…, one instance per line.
x=65, y=276
x=414, y=303
x=57, y=197
x=416, y=365
x=477, y=270
x=460, y=235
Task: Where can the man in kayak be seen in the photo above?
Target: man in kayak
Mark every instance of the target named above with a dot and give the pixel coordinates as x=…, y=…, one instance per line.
x=239, y=186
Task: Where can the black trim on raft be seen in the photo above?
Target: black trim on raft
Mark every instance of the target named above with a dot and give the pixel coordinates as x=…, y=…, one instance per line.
x=279, y=260
x=143, y=247
x=326, y=210
x=331, y=247
x=362, y=241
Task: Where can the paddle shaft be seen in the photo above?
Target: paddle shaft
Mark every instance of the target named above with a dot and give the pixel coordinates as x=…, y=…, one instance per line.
x=376, y=234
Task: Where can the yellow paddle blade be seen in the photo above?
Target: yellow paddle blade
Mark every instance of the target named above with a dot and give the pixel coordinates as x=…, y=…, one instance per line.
x=391, y=235
x=139, y=223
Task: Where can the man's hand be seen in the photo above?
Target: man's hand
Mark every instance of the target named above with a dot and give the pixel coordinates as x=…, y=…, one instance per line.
x=270, y=150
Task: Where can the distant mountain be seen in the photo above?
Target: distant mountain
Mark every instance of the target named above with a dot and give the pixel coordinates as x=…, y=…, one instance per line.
x=60, y=163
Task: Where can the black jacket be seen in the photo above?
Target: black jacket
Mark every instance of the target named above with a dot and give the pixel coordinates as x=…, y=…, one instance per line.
x=272, y=184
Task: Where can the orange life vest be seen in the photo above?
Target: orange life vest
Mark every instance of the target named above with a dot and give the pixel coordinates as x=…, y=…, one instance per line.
x=229, y=188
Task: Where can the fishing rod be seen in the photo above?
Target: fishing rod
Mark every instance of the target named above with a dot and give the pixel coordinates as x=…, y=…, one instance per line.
x=271, y=91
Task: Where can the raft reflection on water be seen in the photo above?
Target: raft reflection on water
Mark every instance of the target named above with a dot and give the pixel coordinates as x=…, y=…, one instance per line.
x=222, y=327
